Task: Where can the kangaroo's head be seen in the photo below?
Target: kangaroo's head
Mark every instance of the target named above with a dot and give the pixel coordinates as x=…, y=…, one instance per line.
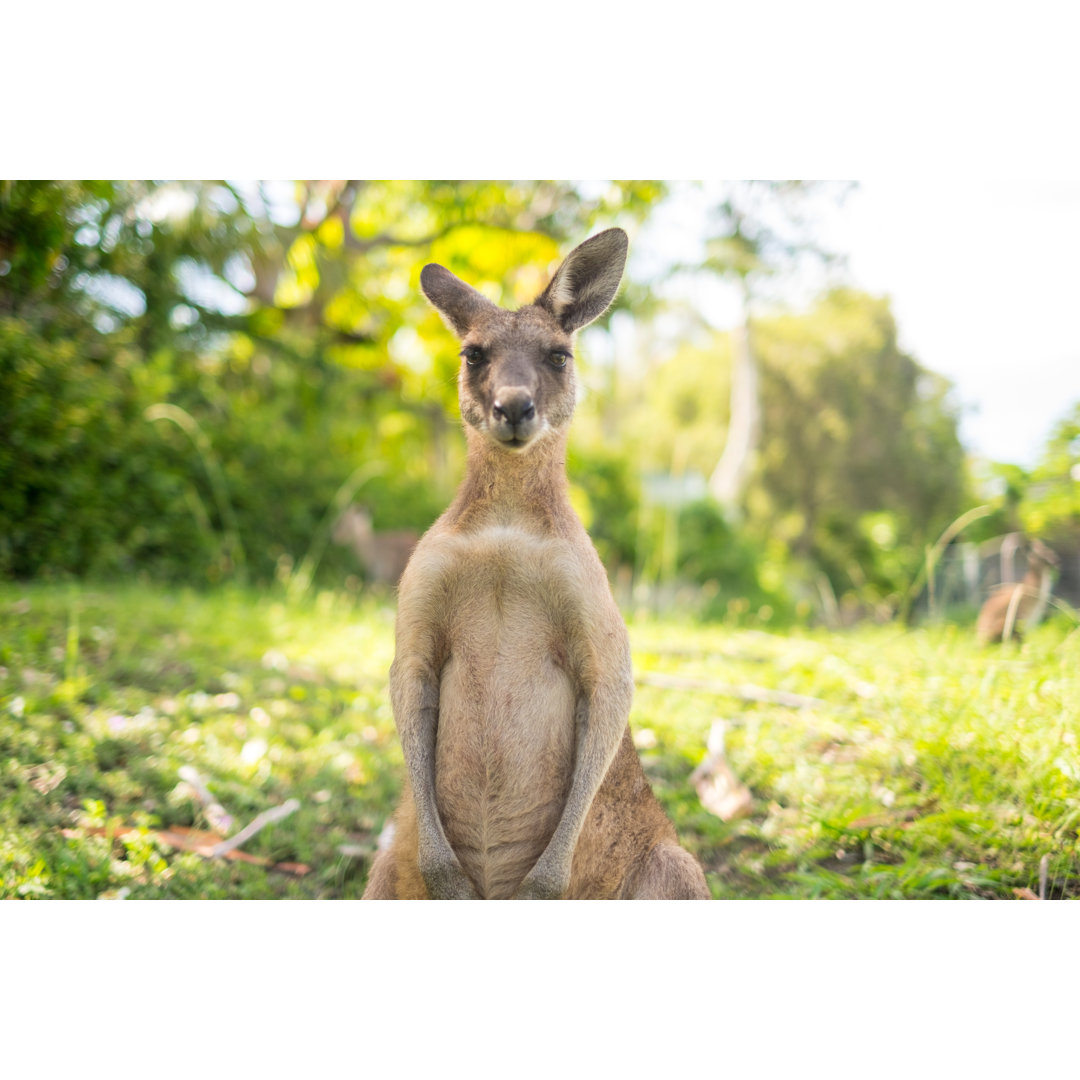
x=1040, y=555
x=517, y=367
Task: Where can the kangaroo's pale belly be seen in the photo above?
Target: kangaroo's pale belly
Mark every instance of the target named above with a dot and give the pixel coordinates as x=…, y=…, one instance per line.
x=506, y=731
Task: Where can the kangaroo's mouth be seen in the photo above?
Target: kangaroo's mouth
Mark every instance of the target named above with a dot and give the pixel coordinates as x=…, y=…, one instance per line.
x=514, y=442
x=514, y=436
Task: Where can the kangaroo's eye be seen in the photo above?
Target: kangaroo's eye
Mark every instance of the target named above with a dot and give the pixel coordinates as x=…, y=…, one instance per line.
x=559, y=357
x=473, y=355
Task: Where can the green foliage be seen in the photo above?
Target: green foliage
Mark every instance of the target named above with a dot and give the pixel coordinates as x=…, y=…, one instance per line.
x=604, y=490
x=859, y=468
x=734, y=571
x=104, y=697
x=683, y=403
x=85, y=485
x=1050, y=505
x=766, y=226
x=861, y=465
x=287, y=326
x=1043, y=502
x=285, y=329
x=929, y=769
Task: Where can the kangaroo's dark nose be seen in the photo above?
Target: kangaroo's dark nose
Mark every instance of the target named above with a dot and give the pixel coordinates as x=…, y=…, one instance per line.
x=514, y=406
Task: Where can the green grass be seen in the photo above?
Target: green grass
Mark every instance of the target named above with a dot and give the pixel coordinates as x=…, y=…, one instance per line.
x=934, y=768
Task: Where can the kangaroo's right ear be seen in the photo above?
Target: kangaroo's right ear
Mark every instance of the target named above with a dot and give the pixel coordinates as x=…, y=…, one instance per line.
x=460, y=305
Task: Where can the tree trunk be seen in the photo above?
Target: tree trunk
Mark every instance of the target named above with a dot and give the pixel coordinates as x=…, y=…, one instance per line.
x=733, y=470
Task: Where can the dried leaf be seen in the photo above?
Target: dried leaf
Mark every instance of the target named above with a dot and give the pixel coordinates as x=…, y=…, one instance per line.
x=718, y=788
x=198, y=841
x=202, y=842
x=725, y=797
x=645, y=738
x=297, y=869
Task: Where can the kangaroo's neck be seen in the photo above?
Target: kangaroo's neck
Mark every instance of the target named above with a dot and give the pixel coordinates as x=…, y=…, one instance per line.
x=503, y=487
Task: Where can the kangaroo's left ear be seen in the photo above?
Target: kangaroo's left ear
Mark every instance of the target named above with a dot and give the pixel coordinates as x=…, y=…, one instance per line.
x=587, y=281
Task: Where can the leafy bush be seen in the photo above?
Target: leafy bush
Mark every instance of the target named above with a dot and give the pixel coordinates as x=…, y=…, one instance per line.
x=294, y=357
x=85, y=485
x=738, y=577
x=1050, y=507
x=603, y=480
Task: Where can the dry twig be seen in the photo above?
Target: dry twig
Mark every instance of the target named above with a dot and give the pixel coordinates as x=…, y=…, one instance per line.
x=220, y=820
x=267, y=817
x=718, y=788
x=744, y=691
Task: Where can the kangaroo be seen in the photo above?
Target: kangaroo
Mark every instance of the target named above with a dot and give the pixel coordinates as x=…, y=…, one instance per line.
x=1011, y=603
x=383, y=555
x=511, y=681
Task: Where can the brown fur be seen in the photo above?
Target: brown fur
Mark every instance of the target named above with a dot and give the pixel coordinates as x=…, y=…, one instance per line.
x=384, y=555
x=994, y=615
x=511, y=682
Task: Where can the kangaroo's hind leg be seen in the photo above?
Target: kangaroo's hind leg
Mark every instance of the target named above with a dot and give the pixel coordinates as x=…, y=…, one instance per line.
x=395, y=873
x=668, y=872
x=382, y=881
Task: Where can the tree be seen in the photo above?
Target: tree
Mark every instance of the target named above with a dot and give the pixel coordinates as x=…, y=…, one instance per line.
x=764, y=228
x=285, y=323
x=859, y=465
x=862, y=464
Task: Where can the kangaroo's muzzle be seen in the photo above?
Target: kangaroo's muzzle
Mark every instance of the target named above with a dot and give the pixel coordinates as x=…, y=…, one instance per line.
x=514, y=420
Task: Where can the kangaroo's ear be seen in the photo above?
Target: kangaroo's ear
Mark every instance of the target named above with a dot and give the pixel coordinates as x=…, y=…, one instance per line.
x=587, y=281
x=460, y=305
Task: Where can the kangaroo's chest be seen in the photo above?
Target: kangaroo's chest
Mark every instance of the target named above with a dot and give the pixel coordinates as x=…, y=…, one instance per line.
x=507, y=699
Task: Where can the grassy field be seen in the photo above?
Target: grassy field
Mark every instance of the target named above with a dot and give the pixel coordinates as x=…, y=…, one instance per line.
x=927, y=768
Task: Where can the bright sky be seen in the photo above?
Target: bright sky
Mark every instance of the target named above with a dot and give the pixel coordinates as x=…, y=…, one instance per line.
x=985, y=282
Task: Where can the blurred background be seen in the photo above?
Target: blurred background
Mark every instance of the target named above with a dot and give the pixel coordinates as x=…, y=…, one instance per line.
x=811, y=402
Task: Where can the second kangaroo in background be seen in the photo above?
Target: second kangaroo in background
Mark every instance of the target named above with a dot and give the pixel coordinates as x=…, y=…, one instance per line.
x=511, y=682
x=1012, y=604
x=383, y=555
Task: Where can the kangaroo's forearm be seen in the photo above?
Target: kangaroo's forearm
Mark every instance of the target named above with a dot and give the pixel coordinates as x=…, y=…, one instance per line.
x=601, y=720
x=414, y=695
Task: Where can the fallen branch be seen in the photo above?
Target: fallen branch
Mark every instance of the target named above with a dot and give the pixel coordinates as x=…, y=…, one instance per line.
x=267, y=817
x=902, y=818
x=744, y=691
x=220, y=819
x=709, y=653
x=198, y=841
x=719, y=789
